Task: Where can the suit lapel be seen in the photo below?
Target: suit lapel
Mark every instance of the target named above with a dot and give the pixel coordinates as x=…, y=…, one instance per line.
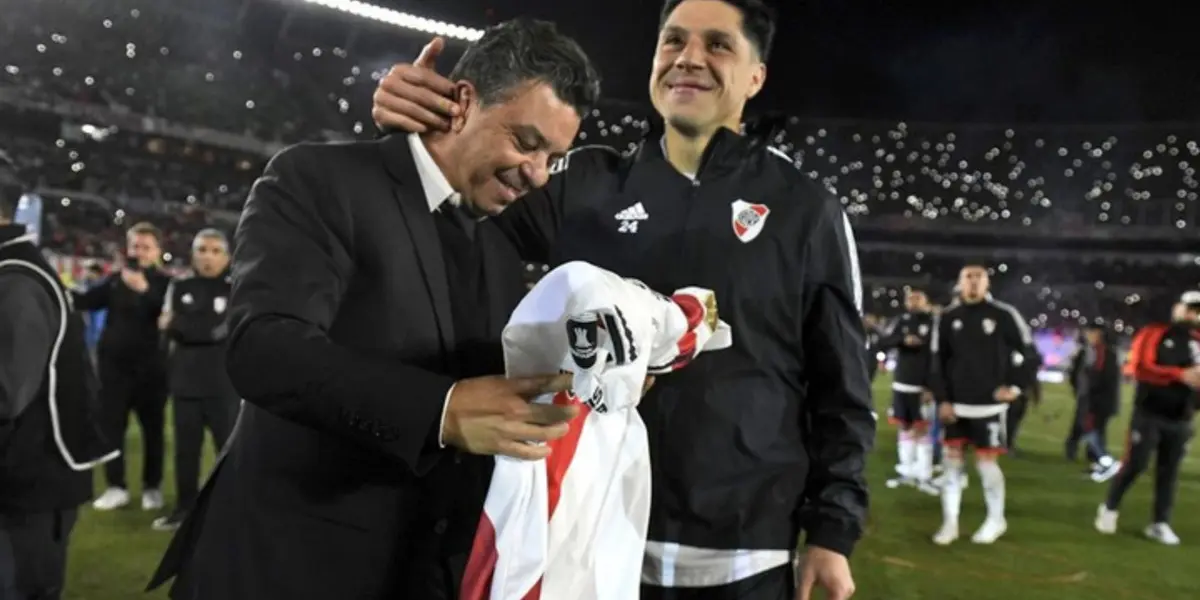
x=410, y=195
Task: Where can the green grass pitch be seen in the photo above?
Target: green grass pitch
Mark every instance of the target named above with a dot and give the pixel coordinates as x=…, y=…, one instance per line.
x=1050, y=551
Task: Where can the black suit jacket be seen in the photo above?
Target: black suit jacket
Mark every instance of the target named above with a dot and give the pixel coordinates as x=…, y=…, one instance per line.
x=341, y=343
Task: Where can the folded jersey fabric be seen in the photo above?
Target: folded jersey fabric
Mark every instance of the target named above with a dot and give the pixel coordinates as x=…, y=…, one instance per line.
x=574, y=526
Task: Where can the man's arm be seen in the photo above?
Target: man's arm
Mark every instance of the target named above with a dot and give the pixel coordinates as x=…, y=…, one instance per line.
x=1149, y=368
x=291, y=267
x=841, y=428
x=531, y=224
x=194, y=327
x=941, y=351
x=1019, y=338
x=96, y=297
x=28, y=326
x=154, y=297
x=892, y=339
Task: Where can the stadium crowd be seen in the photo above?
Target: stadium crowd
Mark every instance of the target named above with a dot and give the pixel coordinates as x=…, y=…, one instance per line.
x=204, y=110
x=165, y=113
x=1076, y=224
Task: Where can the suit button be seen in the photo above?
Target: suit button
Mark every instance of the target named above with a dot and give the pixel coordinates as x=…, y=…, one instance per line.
x=440, y=527
x=458, y=458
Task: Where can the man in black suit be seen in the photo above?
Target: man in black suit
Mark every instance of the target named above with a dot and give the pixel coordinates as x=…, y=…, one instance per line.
x=367, y=303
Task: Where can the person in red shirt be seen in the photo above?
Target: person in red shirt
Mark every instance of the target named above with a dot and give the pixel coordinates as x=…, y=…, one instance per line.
x=1166, y=365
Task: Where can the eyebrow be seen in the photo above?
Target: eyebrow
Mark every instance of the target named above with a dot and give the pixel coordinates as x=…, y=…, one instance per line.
x=709, y=34
x=531, y=131
x=539, y=141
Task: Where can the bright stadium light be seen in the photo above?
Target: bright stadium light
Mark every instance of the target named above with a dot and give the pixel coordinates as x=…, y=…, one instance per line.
x=400, y=19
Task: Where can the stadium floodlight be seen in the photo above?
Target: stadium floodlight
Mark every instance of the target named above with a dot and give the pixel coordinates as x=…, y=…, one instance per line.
x=401, y=19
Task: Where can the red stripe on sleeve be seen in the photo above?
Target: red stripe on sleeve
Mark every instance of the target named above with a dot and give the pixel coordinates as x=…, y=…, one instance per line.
x=1148, y=370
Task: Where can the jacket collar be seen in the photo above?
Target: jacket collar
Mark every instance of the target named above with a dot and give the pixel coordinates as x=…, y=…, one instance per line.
x=14, y=234
x=726, y=150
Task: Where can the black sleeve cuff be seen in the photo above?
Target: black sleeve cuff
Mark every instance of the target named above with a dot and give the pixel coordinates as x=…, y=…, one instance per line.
x=832, y=537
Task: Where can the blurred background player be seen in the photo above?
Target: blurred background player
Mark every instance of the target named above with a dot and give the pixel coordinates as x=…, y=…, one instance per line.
x=130, y=359
x=1167, y=370
x=978, y=350
x=911, y=400
x=1097, y=384
x=194, y=321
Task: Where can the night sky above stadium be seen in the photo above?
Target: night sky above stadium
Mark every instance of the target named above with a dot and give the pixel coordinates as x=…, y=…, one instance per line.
x=1057, y=61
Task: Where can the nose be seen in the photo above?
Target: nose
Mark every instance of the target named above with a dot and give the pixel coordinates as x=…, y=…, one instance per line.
x=691, y=57
x=536, y=174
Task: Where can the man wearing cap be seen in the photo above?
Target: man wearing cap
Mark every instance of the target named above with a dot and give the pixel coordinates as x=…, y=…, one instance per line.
x=1167, y=371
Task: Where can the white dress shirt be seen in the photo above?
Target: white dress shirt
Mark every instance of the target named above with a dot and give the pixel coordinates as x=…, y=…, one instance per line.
x=437, y=191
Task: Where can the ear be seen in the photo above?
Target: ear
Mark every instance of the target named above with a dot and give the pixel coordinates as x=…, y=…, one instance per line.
x=757, y=79
x=467, y=99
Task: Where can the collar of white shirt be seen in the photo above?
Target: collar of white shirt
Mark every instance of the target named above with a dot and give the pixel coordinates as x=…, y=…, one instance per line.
x=437, y=187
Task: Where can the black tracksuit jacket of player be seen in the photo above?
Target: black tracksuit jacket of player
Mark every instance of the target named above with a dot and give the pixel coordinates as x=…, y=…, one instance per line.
x=1166, y=351
x=1098, y=381
x=978, y=348
x=753, y=443
x=197, y=361
x=912, y=363
x=130, y=339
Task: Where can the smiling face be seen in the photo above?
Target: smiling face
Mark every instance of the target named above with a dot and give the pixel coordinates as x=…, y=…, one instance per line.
x=505, y=149
x=705, y=68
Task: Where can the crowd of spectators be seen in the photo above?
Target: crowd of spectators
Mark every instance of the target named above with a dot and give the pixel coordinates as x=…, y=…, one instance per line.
x=125, y=110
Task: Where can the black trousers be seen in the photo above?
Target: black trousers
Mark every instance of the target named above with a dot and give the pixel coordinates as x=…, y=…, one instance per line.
x=192, y=416
x=33, y=554
x=776, y=584
x=142, y=391
x=1167, y=440
x=1090, y=428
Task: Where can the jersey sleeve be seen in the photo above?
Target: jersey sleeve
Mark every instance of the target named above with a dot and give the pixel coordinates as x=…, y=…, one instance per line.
x=1018, y=337
x=941, y=350
x=1150, y=367
x=840, y=430
x=532, y=223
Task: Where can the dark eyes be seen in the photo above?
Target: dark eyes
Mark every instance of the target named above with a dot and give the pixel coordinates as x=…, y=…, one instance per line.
x=526, y=145
x=674, y=40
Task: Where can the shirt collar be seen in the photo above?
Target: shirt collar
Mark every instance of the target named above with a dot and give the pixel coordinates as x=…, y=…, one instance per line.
x=433, y=180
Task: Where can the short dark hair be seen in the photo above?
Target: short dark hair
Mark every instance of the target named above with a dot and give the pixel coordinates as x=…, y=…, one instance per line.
x=522, y=50
x=758, y=22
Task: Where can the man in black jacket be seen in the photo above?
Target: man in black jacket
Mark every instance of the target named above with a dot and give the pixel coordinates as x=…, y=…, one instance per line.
x=193, y=319
x=131, y=362
x=1166, y=365
x=980, y=349
x=368, y=301
x=771, y=438
x=49, y=441
x=1097, y=397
